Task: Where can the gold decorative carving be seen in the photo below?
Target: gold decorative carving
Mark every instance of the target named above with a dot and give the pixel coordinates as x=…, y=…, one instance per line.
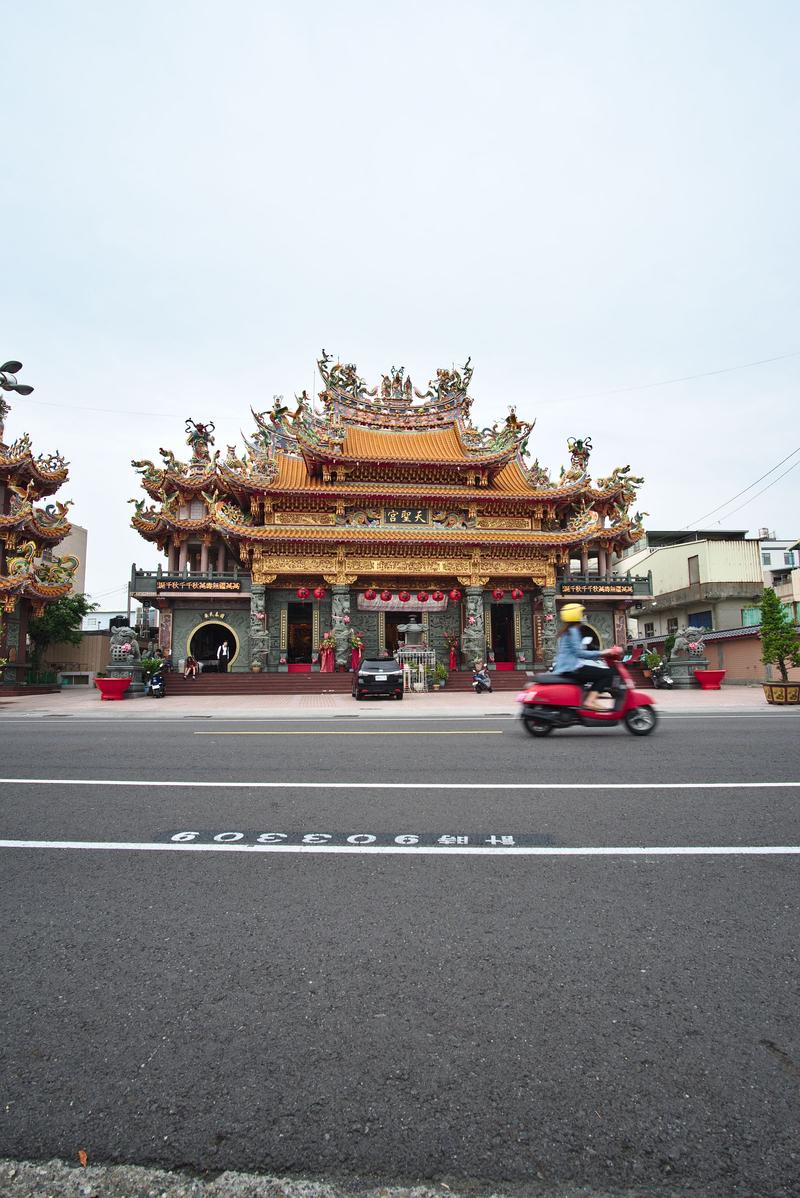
x=306, y=519
x=340, y=580
x=344, y=569
x=509, y=523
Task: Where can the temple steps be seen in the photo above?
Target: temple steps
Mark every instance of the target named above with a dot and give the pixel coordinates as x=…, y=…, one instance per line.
x=314, y=683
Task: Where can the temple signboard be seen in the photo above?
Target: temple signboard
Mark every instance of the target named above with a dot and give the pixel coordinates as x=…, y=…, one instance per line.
x=190, y=586
x=596, y=588
x=407, y=515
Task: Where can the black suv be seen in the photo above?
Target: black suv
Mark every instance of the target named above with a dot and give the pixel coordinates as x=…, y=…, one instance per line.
x=378, y=678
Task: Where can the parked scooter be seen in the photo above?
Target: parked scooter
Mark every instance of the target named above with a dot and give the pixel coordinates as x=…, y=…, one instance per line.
x=480, y=680
x=555, y=701
x=157, y=688
x=662, y=679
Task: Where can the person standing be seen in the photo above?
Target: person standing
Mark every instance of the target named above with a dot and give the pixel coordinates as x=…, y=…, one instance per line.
x=223, y=657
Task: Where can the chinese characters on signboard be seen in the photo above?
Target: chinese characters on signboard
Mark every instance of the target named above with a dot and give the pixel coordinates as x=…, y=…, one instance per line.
x=187, y=585
x=407, y=515
x=597, y=588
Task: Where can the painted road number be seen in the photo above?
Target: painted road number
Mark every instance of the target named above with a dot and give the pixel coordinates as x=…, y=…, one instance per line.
x=379, y=839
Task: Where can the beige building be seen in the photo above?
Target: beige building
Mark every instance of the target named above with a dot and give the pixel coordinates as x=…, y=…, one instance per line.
x=709, y=580
x=75, y=544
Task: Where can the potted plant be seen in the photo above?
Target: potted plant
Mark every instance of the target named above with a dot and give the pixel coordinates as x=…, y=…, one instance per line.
x=779, y=645
x=440, y=674
x=651, y=661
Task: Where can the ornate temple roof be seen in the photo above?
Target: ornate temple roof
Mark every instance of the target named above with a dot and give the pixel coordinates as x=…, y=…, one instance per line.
x=25, y=530
x=382, y=444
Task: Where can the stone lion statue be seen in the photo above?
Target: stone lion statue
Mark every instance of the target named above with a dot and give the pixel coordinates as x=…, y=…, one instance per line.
x=124, y=645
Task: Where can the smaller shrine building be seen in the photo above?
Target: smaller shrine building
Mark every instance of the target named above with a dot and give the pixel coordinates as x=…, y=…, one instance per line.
x=31, y=575
x=345, y=516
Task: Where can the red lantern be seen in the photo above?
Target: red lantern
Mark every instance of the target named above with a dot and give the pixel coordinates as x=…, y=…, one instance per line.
x=386, y=596
x=498, y=594
x=404, y=596
x=423, y=596
x=319, y=592
x=516, y=593
x=437, y=596
x=370, y=594
x=303, y=592
x=455, y=595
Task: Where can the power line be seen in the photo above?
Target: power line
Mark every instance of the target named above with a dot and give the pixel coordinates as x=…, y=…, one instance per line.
x=685, y=378
x=763, y=489
x=745, y=490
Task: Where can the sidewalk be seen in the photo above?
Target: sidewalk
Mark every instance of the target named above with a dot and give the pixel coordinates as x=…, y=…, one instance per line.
x=87, y=704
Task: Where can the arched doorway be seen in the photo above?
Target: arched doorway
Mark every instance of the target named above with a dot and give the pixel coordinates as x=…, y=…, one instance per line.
x=594, y=638
x=204, y=642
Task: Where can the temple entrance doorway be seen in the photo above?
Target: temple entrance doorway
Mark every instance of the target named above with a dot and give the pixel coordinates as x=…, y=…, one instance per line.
x=393, y=637
x=299, y=634
x=205, y=643
x=591, y=633
x=503, y=633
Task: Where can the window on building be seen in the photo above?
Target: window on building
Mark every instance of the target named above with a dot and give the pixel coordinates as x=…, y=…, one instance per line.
x=672, y=625
x=649, y=630
x=694, y=570
x=701, y=619
x=788, y=558
x=766, y=557
x=751, y=616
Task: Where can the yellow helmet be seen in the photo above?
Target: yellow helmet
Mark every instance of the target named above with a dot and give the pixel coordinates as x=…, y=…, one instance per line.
x=572, y=613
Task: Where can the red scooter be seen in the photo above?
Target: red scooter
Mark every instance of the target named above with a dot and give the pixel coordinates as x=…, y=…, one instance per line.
x=554, y=701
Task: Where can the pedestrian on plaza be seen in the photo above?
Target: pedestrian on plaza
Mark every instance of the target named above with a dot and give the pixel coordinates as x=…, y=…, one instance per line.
x=223, y=657
x=191, y=667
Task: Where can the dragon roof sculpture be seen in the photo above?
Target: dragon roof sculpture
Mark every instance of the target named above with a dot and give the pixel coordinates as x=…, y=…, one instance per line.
x=367, y=446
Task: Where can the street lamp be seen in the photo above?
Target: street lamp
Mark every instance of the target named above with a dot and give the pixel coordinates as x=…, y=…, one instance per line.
x=8, y=379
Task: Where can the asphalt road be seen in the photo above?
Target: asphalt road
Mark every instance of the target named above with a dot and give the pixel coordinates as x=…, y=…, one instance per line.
x=320, y=977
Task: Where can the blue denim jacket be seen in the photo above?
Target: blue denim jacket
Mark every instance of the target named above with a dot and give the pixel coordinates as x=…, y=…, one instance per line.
x=570, y=653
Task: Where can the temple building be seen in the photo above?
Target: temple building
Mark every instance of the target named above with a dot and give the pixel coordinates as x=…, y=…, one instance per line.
x=30, y=574
x=353, y=514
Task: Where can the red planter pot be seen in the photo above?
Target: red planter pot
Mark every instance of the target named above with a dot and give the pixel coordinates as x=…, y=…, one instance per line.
x=709, y=680
x=112, y=688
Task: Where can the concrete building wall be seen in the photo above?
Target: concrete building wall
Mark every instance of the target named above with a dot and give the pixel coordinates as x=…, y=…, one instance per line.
x=91, y=655
x=733, y=561
x=76, y=544
x=741, y=659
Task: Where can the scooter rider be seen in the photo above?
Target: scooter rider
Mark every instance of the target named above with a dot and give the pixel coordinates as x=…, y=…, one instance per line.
x=572, y=658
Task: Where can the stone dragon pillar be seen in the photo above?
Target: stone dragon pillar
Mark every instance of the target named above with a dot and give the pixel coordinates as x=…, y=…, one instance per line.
x=340, y=594
x=473, y=638
x=549, y=625
x=259, y=632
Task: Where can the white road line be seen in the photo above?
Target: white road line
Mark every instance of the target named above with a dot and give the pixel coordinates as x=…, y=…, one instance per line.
x=765, y=850
x=227, y=785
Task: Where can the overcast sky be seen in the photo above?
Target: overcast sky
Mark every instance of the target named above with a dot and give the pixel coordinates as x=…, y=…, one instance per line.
x=588, y=198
